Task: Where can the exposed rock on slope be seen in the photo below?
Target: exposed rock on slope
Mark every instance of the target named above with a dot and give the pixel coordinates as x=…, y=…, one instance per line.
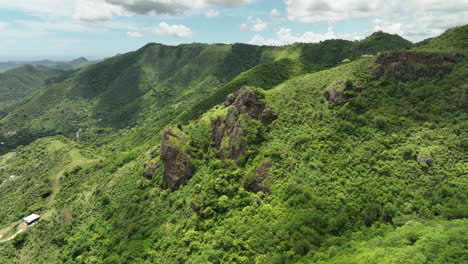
x=230, y=134
x=405, y=65
x=176, y=161
x=334, y=94
x=263, y=181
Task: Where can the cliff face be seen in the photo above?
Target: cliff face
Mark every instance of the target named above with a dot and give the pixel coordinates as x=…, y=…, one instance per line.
x=406, y=65
x=176, y=161
x=231, y=135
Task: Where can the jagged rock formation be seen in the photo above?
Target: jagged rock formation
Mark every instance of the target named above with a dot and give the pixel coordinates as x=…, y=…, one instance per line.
x=176, y=161
x=406, y=65
x=229, y=134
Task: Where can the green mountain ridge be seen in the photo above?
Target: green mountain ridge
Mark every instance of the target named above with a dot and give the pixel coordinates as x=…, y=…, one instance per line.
x=59, y=65
x=245, y=154
x=19, y=83
x=123, y=90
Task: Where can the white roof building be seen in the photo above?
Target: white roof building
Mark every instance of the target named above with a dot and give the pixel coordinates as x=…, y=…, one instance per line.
x=31, y=219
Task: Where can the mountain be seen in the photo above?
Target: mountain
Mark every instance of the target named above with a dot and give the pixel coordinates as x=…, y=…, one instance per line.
x=61, y=65
x=164, y=82
x=19, y=83
x=245, y=154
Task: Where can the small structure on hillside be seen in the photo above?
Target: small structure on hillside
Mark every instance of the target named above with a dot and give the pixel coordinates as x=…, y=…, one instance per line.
x=31, y=219
x=367, y=56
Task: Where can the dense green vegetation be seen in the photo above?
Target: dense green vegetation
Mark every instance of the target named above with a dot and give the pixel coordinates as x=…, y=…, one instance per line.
x=356, y=165
x=17, y=84
x=163, y=81
x=58, y=65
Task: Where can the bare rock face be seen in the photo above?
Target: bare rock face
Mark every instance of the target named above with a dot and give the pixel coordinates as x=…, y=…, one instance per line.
x=176, y=162
x=406, y=65
x=217, y=131
x=150, y=169
x=263, y=179
x=334, y=94
x=230, y=132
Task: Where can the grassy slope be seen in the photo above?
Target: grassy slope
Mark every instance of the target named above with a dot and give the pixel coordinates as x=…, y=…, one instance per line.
x=33, y=167
x=325, y=156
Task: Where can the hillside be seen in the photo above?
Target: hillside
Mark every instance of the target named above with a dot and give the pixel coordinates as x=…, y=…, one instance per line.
x=161, y=82
x=59, y=65
x=19, y=83
x=245, y=154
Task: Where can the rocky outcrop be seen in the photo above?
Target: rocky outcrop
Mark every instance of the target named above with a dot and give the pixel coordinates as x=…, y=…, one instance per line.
x=263, y=180
x=176, y=162
x=406, y=65
x=229, y=133
x=335, y=93
x=217, y=132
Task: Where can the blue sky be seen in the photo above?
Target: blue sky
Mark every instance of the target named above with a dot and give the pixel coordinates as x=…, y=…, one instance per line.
x=67, y=29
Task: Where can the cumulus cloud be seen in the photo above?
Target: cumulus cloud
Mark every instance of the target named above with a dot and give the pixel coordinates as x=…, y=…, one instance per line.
x=92, y=11
x=212, y=13
x=413, y=19
x=227, y=3
x=135, y=34
x=102, y=10
x=285, y=36
x=254, y=24
x=311, y=11
x=179, y=31
x=172, y=7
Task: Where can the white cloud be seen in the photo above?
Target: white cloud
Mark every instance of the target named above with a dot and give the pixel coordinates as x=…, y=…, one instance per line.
x=226, y=3
x=179, y=31
x=285, y=36
x=92, y=11
x=48, y=8
x=310, y=11
x=259, y=25
x=135, y=34
x=212, y=13
x=254, y=24
x=275, y=12
x=413, y=19
x=102, y=10
x=172, y=7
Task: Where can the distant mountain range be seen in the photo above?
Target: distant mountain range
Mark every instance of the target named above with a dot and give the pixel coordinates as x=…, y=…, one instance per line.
x=61, y=65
